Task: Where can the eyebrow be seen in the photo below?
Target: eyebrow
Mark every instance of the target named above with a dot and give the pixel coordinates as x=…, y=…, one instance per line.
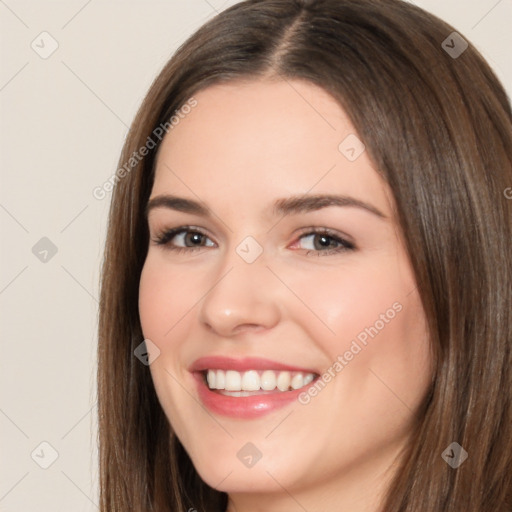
x=286, y=206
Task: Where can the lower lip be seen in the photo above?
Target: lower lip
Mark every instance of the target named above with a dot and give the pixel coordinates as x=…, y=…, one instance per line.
x=245, y=407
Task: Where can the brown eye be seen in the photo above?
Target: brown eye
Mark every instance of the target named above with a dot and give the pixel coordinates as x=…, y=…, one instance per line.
x=325, y=242
x=183, y=238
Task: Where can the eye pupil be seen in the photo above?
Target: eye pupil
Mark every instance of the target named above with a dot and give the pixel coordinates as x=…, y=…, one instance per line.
x=324, y=240
x=194, y=238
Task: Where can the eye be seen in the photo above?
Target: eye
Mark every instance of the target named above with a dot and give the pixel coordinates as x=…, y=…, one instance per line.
x=319, y=241
x=324, y=241
x=184, y=238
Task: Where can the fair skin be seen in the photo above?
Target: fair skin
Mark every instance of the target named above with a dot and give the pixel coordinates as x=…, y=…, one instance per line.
x=243, y=147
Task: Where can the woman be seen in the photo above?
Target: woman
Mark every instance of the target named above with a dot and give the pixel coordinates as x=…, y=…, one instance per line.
x=376, y=378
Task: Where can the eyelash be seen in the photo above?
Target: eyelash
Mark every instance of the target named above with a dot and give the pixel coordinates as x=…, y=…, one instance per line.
x=166, y=236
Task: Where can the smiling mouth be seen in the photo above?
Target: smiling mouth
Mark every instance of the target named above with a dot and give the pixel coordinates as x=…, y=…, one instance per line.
x=255, y=382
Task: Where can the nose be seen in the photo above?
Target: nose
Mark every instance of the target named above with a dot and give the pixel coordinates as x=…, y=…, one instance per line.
x=243, y=297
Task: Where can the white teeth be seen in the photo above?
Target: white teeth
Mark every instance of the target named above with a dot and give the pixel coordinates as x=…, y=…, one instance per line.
x=220, y=379
x=233, y=381
x=268, y=380
x=308, y=378
x=252, y=380
x=211, y=377
x=283, y=381
x=297, y=381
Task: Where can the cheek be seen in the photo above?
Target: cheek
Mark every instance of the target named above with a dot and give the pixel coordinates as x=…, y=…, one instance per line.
x=165, y=297
x=154, y=301
x=353, y=302
x=371, y=326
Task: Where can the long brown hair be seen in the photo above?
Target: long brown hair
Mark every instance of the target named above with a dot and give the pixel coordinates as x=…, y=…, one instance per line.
x=438, y=126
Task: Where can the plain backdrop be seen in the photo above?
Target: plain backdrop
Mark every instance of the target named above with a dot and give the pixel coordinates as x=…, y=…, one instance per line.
x=63, y=119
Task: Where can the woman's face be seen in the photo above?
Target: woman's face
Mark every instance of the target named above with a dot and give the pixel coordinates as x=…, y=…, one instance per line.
x=286, y=265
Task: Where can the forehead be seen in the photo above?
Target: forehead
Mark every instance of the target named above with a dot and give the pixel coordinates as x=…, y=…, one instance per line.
x=259, y=139
x=245, y=117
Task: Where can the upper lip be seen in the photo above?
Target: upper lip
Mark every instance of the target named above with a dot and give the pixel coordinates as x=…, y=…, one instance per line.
x=243, y=364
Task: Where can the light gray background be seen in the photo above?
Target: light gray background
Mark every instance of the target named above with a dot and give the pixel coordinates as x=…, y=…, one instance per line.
x=63, y=122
